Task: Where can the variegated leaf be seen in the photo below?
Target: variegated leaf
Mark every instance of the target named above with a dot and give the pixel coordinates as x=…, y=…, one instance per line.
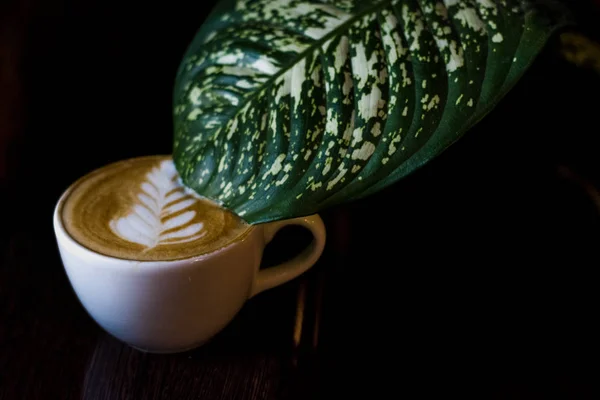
x=283, y=108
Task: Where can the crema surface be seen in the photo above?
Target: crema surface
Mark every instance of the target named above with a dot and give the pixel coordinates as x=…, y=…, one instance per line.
x=137, y=209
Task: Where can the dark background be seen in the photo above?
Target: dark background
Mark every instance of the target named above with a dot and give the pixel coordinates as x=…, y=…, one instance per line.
x=475, y=274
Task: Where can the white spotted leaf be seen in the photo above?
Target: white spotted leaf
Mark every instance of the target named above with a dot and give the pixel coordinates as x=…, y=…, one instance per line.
x=283, y=107
x=160, y=217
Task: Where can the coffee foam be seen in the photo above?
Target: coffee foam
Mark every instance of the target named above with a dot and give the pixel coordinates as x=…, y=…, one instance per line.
x=138, y=209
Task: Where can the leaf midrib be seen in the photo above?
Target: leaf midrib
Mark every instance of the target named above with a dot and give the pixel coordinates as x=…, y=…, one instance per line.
x=306, y=52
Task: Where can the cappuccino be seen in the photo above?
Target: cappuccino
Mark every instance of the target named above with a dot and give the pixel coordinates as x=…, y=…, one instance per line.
x=137, y=209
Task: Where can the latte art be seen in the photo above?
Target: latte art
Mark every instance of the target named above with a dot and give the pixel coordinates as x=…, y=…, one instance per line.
x=156, y=219
x=138, y=209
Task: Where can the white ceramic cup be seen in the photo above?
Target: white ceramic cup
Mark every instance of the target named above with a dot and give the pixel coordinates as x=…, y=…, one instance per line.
x=172, y=306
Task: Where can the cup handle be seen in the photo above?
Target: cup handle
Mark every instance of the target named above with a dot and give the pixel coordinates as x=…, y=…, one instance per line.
x=270, y=277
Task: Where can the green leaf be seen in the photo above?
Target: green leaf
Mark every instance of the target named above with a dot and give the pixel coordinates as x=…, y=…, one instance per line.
x=283, y=108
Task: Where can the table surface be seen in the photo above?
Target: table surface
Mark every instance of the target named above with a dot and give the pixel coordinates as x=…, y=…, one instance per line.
x=475, y=275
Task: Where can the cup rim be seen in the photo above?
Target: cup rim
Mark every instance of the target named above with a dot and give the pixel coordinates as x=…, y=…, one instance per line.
x=63, y=237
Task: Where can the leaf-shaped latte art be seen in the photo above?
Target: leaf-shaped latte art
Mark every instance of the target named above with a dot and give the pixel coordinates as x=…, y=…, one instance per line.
x=161, y=215
x=283, y=108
